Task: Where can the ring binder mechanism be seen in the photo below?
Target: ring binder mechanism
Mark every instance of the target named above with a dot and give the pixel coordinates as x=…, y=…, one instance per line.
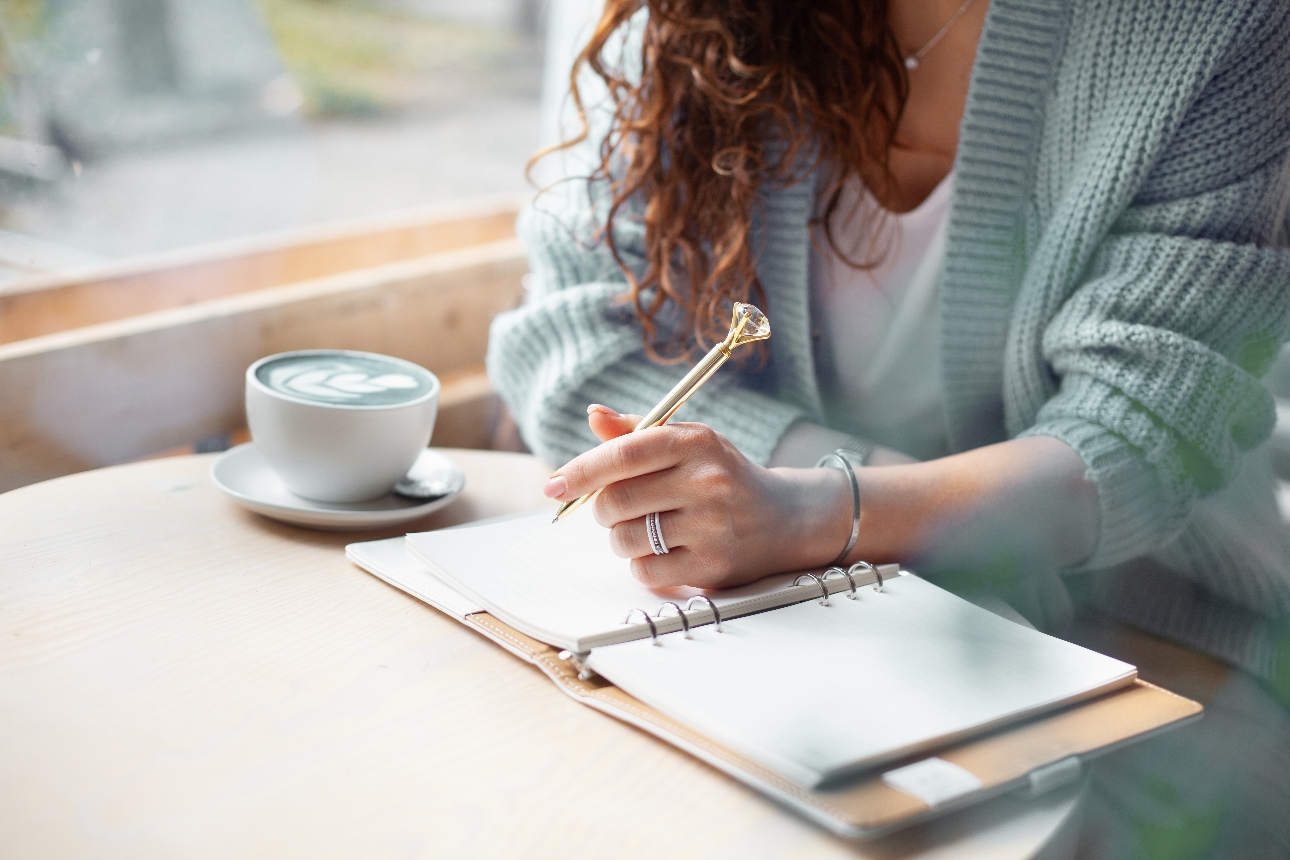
x=579, y=661
x=819, y=579
x=824, y=589
x=851, y=595
x=685, y=622
x=864, y=565
x=653, y=631
x=716, y=613
x=680, y=613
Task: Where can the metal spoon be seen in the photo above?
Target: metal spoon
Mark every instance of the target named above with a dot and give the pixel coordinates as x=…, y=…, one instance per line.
x=426, y=483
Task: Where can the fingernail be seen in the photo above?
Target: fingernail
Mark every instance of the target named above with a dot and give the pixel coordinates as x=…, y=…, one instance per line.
x=556, y=487
x=597, y=407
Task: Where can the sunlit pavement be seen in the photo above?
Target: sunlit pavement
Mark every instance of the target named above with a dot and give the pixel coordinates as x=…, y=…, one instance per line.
x=303, y=173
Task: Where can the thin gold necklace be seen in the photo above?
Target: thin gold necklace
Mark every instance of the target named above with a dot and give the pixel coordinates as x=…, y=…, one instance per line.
x=912, y=61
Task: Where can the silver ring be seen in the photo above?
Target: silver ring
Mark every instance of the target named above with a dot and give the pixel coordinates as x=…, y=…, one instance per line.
x=655, y=532
x=716, y=613
x=864, y=565
x=685, y=622
x=852, y=594
x=824, y=589
x=653, y=631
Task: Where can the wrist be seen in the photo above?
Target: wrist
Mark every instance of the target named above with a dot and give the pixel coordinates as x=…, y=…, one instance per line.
x=816, y=518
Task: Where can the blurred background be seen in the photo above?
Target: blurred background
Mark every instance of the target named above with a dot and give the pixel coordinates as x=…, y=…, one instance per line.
x=134, y=126
x=189, y=185
x=231, y=159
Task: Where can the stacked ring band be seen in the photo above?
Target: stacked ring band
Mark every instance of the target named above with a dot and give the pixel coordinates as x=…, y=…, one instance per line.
x=655, y=532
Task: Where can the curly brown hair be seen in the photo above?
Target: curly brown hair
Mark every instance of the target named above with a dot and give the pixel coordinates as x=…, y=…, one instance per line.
x=733, y=94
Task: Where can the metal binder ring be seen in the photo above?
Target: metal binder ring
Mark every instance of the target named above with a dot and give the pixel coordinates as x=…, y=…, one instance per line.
x=716, y=613
x=851, y=595
x=824, y=589
x=653, y=631
x=864, y=565
x=685, y=622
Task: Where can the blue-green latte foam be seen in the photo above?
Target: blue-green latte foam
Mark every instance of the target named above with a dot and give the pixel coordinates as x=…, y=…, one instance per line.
x=348, y=380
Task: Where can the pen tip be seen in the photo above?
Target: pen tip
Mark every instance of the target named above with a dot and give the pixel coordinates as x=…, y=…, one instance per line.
x=557, y=519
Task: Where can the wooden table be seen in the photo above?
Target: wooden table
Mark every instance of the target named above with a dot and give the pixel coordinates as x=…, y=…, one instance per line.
x=182, y=678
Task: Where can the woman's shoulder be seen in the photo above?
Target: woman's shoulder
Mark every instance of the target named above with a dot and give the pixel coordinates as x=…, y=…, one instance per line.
x=1191, y=84
x=1168, y=29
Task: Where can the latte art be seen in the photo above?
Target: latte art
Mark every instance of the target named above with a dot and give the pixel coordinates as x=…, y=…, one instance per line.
x=351, y=380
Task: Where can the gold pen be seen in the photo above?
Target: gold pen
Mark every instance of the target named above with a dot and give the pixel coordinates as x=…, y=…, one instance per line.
x=747, y=325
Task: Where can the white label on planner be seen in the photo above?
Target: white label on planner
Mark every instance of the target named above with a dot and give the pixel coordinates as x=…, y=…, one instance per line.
x=932, y=780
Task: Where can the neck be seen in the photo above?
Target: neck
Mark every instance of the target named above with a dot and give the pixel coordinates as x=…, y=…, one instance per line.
x=928, y=135
x=915, y=22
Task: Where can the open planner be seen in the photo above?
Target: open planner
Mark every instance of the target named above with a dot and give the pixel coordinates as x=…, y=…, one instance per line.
x=865, y=700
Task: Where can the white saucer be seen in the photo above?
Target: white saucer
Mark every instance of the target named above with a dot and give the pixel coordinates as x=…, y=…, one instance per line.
x=243, y=474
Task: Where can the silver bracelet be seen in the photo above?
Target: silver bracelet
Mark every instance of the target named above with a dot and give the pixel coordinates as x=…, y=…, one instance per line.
x=845, y=465
x=858, y=454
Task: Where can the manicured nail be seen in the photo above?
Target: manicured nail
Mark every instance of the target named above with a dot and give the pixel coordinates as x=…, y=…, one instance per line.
x=556, y=487
x=602, y=409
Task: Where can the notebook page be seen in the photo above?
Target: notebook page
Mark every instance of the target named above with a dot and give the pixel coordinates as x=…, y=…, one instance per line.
x=812, y=692
x=560, y=583
x=388, y=560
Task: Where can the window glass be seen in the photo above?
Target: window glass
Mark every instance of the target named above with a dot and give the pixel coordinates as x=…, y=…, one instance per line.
x=134, y=126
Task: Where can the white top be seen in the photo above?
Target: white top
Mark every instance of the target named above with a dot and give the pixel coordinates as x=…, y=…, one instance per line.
x=879, y=354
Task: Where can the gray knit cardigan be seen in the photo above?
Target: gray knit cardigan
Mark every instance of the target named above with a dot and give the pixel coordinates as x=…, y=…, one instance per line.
x=1108, y=281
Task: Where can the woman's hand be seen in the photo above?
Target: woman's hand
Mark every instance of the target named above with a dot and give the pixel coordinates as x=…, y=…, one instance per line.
x=726, y=520
x=729, y=521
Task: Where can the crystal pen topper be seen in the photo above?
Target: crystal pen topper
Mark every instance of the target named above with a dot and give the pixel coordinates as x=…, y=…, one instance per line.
x=747, y=325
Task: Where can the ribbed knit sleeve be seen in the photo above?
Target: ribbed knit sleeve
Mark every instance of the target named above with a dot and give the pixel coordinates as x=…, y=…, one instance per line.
x=573, y=344
x=1159, y=355
x=1143, y=350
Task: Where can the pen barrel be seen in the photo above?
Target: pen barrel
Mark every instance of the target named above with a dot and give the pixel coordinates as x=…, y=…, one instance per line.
x=573, y=504
x=666, y=408
x=682, y=391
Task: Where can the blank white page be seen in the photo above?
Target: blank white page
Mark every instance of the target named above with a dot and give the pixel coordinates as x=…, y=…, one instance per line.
x=388, y=559
x=812, y=692
x=560, y=582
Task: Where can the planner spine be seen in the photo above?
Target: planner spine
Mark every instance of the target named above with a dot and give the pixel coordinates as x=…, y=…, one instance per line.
x=653, y=630
x=849, y=573
x=685, y=622
x=819, y=579
x=681, y=613
x=824, y=589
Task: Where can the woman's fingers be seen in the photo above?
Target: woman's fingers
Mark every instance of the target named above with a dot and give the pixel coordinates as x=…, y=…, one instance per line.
x=630, y=539
x=650, y=450
x=684, y=566
x=724, y=519
x=680, y=565
x=635, y=497
x=608, y=424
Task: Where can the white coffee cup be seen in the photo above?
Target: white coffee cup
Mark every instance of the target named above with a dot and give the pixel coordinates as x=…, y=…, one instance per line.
x=338, y=425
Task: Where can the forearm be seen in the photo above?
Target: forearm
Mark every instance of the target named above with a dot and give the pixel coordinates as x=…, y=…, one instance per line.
x=1027, y=498
x=730, y=521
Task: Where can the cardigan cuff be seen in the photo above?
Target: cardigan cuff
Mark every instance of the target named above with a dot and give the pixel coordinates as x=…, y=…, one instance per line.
x=753, y=421
x=1132, y=508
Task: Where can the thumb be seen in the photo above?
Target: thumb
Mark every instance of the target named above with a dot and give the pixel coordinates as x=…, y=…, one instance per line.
x=608, y=424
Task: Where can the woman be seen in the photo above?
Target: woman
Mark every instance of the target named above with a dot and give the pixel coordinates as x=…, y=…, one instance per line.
x=1099, y=295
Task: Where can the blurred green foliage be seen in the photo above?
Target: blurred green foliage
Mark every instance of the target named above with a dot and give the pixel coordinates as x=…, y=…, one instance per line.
x=20, y=20
x=355, y=58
